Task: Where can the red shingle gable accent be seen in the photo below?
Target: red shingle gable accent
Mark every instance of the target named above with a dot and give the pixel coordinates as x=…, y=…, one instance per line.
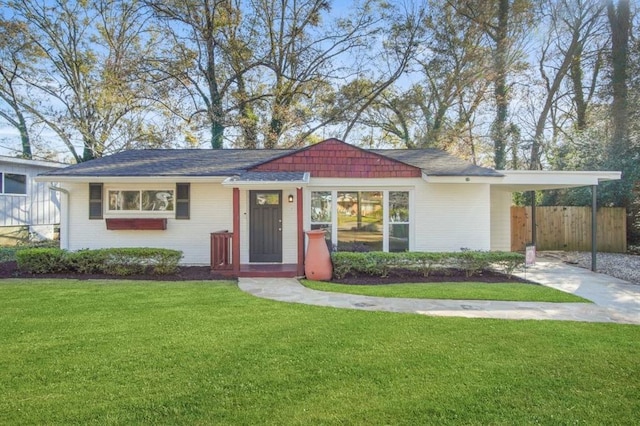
x=334, y=158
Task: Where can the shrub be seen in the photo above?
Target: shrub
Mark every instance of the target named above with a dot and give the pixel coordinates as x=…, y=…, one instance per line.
x=380, y=264
x=87, y=261
x=345, y=263
x=114, y=261
x=7, y=254
x=472, y=262
x=508, y=262
x=42, y=260
x=425, y=262
x=131, y=261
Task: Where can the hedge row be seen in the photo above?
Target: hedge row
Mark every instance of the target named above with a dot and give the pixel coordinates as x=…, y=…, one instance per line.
x=112, y=261
x=380, y=264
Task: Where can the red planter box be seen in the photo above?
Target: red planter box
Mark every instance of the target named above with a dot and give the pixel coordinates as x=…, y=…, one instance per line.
x=136, y=224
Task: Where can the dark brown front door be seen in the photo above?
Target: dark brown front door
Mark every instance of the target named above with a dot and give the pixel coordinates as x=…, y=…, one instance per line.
x=265, y=226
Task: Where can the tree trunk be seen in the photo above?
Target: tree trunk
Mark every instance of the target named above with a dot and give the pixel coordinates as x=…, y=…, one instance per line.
x=620, y=20
x=575, y=73
x=499, y=130
x=24, y=136
x=248, y=119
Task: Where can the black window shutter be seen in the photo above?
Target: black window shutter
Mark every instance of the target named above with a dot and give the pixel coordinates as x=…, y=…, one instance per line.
x=95, y=201
x=182, y=200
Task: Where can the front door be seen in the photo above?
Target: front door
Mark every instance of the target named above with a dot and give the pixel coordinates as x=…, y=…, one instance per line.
x=265, y=226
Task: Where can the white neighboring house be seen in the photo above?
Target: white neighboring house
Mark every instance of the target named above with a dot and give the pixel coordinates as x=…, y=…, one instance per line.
x=245, y=211
x=27, y=207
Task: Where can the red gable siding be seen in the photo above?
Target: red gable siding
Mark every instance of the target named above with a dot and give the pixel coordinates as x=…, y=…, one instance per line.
x=334, y=158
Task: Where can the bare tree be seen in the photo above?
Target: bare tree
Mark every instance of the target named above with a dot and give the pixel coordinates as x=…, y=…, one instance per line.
x=15, y=55
x=86, y=86
x=504, y=23
x=198, y=55
x=572, y=25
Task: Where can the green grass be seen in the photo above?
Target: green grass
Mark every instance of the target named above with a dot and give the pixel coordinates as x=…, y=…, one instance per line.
x=454, y=290
x=122, y=352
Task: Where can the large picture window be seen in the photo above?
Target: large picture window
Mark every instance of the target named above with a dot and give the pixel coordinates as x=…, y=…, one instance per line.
x=13, y=184
x=363, y=220
x=360, y=220
x=141, y=200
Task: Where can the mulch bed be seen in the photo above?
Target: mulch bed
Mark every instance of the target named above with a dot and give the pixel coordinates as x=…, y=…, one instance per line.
x=202, y=273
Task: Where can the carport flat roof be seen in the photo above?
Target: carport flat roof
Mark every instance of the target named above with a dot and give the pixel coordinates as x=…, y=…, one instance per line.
x=537, y=180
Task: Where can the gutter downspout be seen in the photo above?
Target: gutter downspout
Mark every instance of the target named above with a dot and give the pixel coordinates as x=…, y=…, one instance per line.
x=65, y=227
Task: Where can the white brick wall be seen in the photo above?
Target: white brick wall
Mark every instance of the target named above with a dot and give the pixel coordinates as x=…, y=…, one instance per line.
x=500, y=220
x=445, y=217
x=449, y=217
x=211, y=211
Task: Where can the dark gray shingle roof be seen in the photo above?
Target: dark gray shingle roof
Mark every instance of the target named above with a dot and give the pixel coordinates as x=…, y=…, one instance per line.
x=230, y=162
x=435, y=162
x=172, y=162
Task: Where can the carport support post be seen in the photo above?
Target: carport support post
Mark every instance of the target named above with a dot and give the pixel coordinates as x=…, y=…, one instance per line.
x=533, y=219
x=594, y=226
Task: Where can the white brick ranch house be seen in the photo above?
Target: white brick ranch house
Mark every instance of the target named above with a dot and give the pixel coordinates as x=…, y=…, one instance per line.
x=264, y=200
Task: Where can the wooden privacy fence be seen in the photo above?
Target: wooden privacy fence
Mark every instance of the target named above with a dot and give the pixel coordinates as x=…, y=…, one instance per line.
x=569, y=228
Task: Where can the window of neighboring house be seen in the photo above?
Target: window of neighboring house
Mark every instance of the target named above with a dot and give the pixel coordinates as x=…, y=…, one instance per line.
x=13, y=184
x=321, y=207
x=141, y=200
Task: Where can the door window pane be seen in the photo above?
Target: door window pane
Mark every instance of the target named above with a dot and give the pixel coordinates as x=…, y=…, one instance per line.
x=267, y=198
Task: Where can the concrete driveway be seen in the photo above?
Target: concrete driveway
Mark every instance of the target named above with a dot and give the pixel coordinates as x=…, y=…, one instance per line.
x=613, y=300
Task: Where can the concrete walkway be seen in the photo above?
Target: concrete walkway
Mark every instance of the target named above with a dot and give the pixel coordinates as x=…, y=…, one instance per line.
x=614, y=300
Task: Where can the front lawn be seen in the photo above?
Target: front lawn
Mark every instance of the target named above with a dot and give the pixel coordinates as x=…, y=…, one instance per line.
x=454, y=290
x=124, y=352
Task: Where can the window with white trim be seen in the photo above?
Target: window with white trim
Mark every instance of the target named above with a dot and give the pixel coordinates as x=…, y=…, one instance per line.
x=321, y=208
x=398, y=221
x=360, y=220
x=144, y=200
x=13, y=184
x=365, y=220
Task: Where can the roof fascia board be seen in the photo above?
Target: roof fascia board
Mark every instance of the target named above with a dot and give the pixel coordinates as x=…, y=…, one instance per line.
x=35, y=163
x=557, y=178
x=272, y=183
x=130, y=179
x=461, y=179
x=325, y=182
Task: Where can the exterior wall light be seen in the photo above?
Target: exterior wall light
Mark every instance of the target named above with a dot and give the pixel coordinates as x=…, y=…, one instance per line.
x=291, y=198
